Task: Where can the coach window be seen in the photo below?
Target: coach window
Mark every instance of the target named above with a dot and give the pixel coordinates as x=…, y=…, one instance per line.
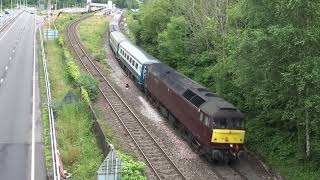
x=136, y=65
x=130, y=59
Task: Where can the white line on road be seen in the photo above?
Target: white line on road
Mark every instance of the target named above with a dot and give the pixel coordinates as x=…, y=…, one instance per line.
x=8, y=29
x=33, y=102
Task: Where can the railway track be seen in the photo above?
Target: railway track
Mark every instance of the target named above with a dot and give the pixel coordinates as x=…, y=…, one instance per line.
x=156, y=158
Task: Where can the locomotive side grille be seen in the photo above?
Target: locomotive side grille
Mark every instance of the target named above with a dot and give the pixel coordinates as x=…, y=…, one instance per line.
x=197, y=101
x=188, y=94
x=193, y=98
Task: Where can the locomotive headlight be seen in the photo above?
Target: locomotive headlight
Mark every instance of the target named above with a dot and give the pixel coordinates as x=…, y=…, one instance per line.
x=231, y=145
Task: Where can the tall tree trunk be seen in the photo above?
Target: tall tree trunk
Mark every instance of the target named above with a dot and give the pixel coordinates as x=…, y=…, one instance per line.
x=307, y=122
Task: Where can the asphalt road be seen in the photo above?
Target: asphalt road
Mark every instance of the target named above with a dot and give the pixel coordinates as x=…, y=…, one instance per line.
x=6, y=17
x=21, y=141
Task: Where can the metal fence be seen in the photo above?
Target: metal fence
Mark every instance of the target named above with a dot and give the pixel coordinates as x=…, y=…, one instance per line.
x=53, y=141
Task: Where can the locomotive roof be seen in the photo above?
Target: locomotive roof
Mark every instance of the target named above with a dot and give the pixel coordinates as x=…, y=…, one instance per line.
x=195, y=93
x=118, y=36
x=138, y=53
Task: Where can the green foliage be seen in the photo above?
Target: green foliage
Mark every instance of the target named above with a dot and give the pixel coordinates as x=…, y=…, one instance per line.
x=78, y=149
x=263, y=56
x=77, y=144
x=73, y=71
x=91, y=33
x=132, y=169
x=130, y=4
x=90, y=85
x=61, y=41
x=154, y=18
x=85, y=95
x=172, y=41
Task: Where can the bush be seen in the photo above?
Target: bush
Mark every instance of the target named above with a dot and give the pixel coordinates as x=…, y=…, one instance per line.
x=61, y=41
x=91, y=86
x=99, y=57
x=73, y=72
x=131, y=169
x=71, y=154
x=85, y=95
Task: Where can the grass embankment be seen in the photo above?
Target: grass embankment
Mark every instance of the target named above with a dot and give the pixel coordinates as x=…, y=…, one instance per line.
x=45, y=119
x=91, y=33
x=77, y=145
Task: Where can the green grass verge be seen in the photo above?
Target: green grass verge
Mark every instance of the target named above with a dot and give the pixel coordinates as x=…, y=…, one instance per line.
x=45, y=121
x=77, y=144
x=91, y=33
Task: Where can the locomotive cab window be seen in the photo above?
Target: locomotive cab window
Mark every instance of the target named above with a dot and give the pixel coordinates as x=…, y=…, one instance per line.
x=228, y=123
x=206, y=120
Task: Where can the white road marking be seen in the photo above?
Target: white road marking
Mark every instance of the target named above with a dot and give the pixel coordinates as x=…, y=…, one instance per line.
x=1, y=80
x=33, y=102
x=6, y=68
x=8, y=29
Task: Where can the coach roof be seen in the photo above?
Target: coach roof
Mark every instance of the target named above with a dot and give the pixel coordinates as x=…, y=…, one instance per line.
x=138, y=53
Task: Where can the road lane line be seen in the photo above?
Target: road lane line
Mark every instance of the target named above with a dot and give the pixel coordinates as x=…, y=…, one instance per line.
x=8, y=29
x=33, y=102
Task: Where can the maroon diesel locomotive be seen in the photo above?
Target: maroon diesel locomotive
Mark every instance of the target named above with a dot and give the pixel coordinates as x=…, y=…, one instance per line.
x=211, y=124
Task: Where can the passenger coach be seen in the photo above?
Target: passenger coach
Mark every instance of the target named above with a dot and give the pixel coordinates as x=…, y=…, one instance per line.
x=134, y=60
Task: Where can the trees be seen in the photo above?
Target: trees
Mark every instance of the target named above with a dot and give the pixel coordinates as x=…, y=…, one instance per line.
x=172, y=41
x=278, y=63
x=130, y=4
x=263, y=56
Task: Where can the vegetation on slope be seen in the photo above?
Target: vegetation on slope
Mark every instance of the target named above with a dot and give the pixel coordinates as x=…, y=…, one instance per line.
x=91, y=33
x=262, y=56
x=77, y=145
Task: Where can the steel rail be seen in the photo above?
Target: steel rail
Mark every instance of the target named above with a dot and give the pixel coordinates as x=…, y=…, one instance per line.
x=81, y=54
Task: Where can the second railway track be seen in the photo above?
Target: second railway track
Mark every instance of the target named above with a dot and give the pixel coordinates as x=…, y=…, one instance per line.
x=156, y=158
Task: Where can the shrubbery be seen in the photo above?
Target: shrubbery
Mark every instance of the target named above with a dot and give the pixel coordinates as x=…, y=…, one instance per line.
x=132, y=169
x=90, y=85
